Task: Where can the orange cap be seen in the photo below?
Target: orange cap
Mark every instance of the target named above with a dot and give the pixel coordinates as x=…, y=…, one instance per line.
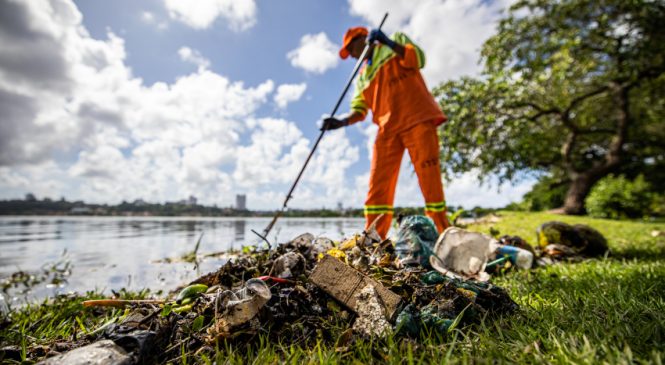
x=348, y=37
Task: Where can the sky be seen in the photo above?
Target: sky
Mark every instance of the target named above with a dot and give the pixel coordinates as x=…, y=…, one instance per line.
x=110, y=101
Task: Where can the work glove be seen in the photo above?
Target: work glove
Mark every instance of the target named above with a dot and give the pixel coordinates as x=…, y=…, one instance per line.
x=376, y=35
x=333, y=123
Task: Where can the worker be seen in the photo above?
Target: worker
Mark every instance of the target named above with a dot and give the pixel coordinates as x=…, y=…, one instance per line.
x=391, y=86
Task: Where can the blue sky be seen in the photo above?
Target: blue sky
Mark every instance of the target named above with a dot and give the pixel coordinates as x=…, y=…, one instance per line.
x=162, y=99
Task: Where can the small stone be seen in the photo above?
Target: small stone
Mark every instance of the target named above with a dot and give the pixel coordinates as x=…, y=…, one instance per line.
x=104, y=352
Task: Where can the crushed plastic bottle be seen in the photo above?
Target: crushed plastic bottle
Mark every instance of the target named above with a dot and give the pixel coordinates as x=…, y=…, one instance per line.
x=517, y=256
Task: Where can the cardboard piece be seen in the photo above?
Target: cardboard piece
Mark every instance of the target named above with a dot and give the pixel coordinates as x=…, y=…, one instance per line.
x=344, y=282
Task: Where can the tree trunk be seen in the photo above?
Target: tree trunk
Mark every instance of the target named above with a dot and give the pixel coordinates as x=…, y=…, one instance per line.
x=580, y=186
x=582, y=181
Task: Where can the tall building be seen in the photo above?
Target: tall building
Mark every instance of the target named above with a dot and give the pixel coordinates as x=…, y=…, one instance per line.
x=241, y=202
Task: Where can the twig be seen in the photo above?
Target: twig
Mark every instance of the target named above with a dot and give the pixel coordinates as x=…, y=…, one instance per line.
x=119, y=303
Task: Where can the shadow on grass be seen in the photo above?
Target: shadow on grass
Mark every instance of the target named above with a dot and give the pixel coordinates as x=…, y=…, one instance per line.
x=653, y=253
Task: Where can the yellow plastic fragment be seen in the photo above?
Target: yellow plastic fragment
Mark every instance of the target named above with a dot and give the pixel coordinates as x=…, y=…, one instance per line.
x=336, y=253
x=467, y=293
x=350, y=243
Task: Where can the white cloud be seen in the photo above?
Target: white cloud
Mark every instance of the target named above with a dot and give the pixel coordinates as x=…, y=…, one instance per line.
x=466, y=191
x=450, y=32
x=150, y=18
x=201, y=14
x=276, y=147
x=77, y=123
x=287, y=93
x=159, y=142
x=316, y=54
x=193, y=56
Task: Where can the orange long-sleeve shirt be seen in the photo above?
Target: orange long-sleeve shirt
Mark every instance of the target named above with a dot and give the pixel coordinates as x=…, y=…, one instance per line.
x=393, y=88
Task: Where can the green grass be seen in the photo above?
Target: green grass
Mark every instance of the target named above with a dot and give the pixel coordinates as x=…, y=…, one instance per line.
x=609, y=310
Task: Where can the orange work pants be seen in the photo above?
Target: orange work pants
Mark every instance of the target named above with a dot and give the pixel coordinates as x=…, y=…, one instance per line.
x=423, y=145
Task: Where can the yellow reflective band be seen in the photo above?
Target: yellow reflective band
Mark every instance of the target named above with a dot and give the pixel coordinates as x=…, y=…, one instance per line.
x=378, y=206
x=375, y=212
x=435, y=207
x=378, y=209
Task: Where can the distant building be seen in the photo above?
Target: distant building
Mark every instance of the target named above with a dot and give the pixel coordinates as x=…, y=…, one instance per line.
x=241, y=202
x=192, y=200
x=80, y=210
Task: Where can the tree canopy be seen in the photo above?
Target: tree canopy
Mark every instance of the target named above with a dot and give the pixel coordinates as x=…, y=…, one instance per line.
x=574, y=89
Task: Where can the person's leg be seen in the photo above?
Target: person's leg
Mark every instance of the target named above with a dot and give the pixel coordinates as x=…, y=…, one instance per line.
x=422, y=143
x=386, y=158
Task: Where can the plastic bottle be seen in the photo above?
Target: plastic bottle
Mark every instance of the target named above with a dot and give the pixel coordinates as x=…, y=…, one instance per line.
x=517, y=256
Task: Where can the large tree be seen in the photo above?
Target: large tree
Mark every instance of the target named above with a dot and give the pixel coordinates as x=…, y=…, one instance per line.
x=573, y=88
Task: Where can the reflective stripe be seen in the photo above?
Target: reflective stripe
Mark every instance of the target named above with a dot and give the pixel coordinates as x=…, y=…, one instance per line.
x=403, y=39
x=435, y=207
x=378, y=209
x=383, y=54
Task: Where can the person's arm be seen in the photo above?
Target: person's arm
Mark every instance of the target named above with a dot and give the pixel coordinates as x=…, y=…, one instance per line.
x=411, y=56
x=332, y=123
x=355, y=117
x=414, y=57
x=400, y=50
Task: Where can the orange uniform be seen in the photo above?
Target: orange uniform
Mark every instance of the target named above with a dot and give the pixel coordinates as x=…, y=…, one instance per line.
x=407, y=116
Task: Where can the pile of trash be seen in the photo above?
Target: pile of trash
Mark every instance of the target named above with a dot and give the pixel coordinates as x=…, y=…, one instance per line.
x=312, y=289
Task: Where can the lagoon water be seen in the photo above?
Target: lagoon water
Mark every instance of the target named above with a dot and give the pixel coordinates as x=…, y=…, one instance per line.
x=110, y=253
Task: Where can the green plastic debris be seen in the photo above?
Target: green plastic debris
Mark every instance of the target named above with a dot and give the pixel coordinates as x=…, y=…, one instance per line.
x=416, y=237
x=411, y=322
x=190, y=292
x=432, y=320
x=406, y=323
x=433, y=277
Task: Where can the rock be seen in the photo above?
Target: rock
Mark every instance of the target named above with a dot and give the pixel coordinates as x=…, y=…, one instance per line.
x=104, y=352
x=303, y=241
x=582, y=239
x=320, y=246
x=289, y=265
x=236, y=308
x=593, y=242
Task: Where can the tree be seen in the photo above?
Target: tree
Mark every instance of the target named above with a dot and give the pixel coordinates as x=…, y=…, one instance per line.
x=574, y=89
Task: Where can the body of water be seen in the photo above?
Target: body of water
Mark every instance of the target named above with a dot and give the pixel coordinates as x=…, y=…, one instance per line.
x=110, y=253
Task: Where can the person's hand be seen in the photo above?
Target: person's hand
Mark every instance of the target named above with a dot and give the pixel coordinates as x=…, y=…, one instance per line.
x=334, y=123
x=376, y=35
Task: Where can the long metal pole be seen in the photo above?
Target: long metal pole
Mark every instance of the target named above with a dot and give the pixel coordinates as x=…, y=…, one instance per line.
x=316, y=144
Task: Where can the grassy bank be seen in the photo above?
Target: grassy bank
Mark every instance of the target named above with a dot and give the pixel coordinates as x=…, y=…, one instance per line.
x=603, y=310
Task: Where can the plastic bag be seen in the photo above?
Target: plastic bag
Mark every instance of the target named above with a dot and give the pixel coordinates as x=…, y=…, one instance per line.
x=415, y=240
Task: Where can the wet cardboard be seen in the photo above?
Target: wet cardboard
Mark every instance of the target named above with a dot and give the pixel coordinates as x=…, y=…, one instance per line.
x=343, y=282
